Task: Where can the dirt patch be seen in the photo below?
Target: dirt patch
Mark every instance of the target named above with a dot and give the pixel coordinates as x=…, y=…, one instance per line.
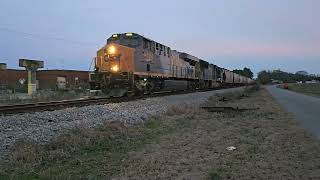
x=186, y=143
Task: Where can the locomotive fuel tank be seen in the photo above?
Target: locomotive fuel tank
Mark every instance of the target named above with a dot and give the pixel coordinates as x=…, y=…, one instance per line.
x=170, y=85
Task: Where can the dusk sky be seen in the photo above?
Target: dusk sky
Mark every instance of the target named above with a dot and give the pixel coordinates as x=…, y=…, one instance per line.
x=259, y=34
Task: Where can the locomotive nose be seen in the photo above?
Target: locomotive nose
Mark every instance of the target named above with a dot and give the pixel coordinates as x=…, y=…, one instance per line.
x=113, y=58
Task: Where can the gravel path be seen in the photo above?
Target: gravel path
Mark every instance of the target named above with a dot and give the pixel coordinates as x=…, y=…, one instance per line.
x=42, y=126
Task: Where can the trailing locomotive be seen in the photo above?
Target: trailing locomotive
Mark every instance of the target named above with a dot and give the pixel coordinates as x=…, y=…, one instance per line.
x=132, y=64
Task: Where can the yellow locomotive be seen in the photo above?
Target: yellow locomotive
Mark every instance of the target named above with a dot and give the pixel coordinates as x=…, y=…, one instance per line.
x=132, y=64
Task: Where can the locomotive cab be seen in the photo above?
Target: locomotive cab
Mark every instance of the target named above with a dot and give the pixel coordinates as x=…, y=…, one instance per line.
x=121, y=64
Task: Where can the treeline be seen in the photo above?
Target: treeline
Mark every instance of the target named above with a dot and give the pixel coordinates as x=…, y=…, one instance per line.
x=265, y=77
x=245, y=72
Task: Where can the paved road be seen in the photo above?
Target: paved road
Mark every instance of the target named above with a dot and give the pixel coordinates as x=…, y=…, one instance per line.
x=305, y=108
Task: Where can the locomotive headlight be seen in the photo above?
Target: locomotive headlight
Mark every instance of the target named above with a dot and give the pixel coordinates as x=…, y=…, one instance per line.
x=115, y=68
x=112, y=50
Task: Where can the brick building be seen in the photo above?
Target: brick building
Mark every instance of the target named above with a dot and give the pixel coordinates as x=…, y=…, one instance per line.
x=16, y=79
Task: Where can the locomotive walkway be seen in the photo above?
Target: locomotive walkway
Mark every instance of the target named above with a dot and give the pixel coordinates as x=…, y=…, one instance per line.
x=305, y=108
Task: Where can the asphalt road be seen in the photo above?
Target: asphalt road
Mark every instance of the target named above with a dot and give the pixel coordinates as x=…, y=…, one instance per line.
x=305, y=108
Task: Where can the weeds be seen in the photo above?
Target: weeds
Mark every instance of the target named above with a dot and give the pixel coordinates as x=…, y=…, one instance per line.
x=40, y=96
x=252, y=88
x=152, y=124
x=183, y=109
x=213, y=175
x=83, y=147
x=232, y=97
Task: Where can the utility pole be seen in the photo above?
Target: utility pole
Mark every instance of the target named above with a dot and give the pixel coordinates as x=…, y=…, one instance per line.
x=3, y=79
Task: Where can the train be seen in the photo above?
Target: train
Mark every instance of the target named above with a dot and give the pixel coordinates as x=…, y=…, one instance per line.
x=131, y=64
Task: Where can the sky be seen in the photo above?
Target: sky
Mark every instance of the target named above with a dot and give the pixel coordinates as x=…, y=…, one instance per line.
x=259, y=34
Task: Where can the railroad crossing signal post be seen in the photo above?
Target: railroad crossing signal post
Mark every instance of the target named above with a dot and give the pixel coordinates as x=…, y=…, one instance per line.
x=31, y=66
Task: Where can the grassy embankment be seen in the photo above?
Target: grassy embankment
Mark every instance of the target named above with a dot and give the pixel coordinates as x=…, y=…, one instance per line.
x=187, y=142
x=308, y=89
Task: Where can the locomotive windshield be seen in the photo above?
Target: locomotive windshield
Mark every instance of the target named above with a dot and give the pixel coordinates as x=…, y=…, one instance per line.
x=130, y=40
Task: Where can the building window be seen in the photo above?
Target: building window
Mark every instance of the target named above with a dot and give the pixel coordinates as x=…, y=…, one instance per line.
x=157, y=46
x=168, y=52
x=161, y=49
x=152, y=46
x=145, y=43
x=164, y=51
x=148, y=67
x=149, y=45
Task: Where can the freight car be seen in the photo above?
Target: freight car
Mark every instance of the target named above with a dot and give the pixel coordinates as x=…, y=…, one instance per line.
x=132, y=64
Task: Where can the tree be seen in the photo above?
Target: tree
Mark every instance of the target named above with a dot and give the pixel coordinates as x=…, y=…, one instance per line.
x=268, y=76
x=264, y=77
x=245, y=72
x=248, y=72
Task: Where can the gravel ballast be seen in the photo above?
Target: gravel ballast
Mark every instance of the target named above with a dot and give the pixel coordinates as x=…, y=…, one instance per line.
x=41, y=127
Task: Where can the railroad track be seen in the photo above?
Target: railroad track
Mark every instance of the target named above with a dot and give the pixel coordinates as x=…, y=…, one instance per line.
x=56, y=105
x=50, y=106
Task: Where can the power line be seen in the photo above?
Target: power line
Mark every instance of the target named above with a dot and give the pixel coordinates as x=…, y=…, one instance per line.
x=31, y=35
x=46, y=37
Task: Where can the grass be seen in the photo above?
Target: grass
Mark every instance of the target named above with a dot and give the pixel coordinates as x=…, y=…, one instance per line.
x=83, y=152
x=215, y=175
x=152, y=124
x=308, y=89
x=185, y=143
